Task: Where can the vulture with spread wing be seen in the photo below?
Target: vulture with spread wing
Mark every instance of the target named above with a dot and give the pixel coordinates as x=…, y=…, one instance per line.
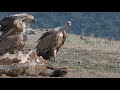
x=13, y=24
x=16, y=30
x=50, y=42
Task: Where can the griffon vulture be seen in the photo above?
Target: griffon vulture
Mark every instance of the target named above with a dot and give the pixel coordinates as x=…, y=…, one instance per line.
x=50, y=42
x=14, y=43
x=16, y=23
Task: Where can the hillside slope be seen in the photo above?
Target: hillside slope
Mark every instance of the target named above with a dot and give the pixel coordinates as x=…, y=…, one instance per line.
x=99, y=24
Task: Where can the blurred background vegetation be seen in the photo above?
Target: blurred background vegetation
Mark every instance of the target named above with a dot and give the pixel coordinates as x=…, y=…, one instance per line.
x=97, y=24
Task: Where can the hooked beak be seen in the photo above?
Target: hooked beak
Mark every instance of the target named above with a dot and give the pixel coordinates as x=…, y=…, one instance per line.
x=34, y=20
x=32, y=32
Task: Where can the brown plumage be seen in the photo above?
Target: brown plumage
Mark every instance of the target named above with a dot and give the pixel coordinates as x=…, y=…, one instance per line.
x=11, y=43
x=13, y=24
x=51, y=41
x=14, y=43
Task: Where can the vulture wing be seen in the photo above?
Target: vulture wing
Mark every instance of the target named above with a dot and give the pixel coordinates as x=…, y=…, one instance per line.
x=47, y=41
x=11, y=43
x=13, y=24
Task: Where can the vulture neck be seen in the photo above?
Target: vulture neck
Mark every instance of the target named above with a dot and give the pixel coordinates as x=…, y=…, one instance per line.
x=61, y=29
x=25, y=36
x=25, y=25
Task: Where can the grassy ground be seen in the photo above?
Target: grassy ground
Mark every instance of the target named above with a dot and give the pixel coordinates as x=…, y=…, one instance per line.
x=86, y=57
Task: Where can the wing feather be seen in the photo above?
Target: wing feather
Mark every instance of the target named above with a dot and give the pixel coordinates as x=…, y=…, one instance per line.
x=10, y=43
x=48, y=41
x=13, y=24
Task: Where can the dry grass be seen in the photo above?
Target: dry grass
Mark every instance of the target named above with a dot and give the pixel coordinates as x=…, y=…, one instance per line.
x=91, y=43
x=86, y=56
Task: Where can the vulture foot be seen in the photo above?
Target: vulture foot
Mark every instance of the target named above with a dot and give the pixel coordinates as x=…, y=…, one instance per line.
x=52, y=59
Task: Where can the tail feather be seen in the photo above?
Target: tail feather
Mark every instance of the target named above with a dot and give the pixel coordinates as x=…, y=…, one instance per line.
x=45, y=55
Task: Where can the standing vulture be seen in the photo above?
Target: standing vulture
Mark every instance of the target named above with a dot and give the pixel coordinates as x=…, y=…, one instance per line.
x=50, y=42
x=13, y=24
x=14, y=43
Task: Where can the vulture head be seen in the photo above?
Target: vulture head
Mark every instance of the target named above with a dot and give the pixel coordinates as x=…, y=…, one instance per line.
x=69, y=23
x=24, y=17
x=26, y=22
x=29, y=19
x=30, y=31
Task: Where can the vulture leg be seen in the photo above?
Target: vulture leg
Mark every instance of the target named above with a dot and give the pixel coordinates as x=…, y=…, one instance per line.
x=53, y=55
